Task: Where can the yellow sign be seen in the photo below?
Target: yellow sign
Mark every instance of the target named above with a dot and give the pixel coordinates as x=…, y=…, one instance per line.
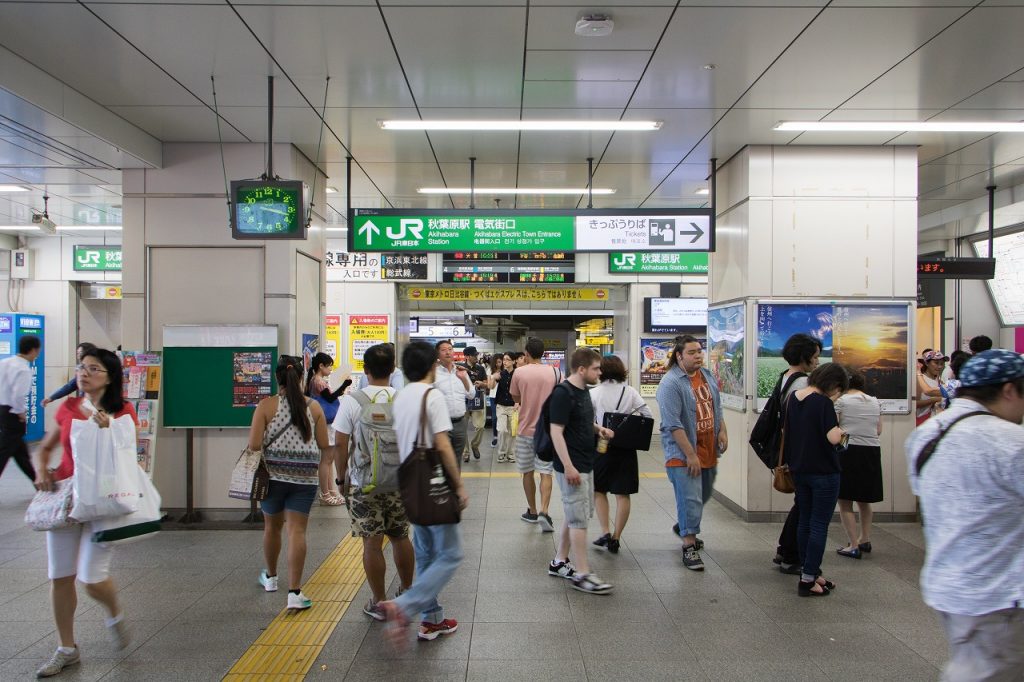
x=534, y=293
x=112, y=293
x=365, y=331
x=332, y=336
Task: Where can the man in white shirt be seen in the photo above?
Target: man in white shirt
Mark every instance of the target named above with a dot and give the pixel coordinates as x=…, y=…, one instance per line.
x=15, y=384
x=453, y=383
x=967, y=467
x=438, y=548
x=377, y=513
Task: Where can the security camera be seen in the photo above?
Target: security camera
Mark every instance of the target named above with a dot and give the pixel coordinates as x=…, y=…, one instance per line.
x=45, y=224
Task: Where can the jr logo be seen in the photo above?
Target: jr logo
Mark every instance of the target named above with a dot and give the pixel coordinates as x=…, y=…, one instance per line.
x=413, y=225
x=87, y=258
x=625, y=260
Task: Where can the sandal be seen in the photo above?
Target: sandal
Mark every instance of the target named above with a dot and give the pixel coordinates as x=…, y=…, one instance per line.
x=851, y=552
x=330, y=499
x=806, y=589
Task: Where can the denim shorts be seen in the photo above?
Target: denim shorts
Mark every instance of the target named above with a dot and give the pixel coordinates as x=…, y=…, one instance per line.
x=288, y=497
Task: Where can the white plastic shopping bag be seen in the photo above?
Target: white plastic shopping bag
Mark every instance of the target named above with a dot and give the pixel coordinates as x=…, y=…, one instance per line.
x=105, y=482
x=135, y=526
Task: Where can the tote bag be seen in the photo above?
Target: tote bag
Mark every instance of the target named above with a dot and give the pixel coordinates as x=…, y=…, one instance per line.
x=427, y=493
x=140, y=524
x=250, y=479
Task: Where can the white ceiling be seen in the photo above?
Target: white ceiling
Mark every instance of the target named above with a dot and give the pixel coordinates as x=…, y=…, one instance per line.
x=149, y=62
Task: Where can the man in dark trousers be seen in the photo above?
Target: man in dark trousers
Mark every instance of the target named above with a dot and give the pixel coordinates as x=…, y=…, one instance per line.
x=15, y=384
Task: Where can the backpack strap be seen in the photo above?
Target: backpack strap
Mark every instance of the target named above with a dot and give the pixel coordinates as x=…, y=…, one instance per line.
x=929, y=449
x=421, y=438
x=789, y=382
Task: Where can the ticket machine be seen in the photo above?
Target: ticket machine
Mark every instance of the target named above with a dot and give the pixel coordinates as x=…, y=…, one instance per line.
x=13, y=326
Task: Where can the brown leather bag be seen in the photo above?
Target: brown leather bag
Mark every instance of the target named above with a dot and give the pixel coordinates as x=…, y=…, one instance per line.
x=782, y=479
x=427, y=493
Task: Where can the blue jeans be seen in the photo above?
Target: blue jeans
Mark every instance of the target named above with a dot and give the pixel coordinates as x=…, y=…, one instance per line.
x=816, y=496
x=692, y=493
x=438, y=554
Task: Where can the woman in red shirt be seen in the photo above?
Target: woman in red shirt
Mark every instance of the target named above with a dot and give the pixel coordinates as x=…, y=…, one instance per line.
x=70, y=551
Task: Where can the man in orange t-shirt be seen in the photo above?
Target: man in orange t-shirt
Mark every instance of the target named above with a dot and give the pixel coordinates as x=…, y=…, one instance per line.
x=693, y=435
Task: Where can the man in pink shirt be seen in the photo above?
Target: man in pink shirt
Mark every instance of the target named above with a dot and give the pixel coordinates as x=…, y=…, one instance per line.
x=531, y=385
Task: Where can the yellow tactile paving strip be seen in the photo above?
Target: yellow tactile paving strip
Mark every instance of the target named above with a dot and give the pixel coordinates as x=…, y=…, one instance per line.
x=291, y=643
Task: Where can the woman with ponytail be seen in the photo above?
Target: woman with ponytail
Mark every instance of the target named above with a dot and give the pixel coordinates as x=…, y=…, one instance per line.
x=319, y=390
x=291, y=431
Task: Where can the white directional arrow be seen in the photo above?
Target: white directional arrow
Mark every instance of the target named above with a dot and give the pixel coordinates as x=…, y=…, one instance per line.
x=369, y=229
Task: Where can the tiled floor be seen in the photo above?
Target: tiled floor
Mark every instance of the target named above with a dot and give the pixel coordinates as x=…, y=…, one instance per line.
x=194, y=606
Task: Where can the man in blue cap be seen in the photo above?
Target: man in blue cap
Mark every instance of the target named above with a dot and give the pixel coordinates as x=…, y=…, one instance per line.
x=967, y=466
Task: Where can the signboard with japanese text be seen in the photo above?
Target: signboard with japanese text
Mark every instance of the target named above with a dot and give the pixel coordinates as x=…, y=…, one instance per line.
x=332, y=336
x=97, y=259
x=403, y=266
x=494, y=267
x=434, y=230
x=658, y=263
x=439, y=293
x=365, y=331
x=343, y=266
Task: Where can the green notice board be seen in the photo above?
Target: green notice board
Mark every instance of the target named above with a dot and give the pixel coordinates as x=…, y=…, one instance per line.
x=199, y=386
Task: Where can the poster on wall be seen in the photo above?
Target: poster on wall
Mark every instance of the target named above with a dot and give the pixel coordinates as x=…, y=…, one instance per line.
x=726, y=353
x=141, y=387
x=365, y=331
x=252, y=378
x=653, y=364
x=870, y=338
x=310, y=347
x=332, y=336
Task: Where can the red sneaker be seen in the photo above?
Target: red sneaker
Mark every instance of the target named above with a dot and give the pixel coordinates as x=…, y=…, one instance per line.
x=429, y=631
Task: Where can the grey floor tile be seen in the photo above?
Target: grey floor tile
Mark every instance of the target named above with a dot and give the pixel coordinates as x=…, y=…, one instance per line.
x=141, y=668
x=375, y=647
x=17, y=636
x=615, y=670
x=515, y=580
x=89, y=670
x=536, y=641
x=94, y=641
x=924, y=636
x=624, y=607
x=732, y=670
x=744, y=641
x=522, y=607
x=201, y=643
x=35, y=605
x=526, y=671
x=374, y=671
x=609, y=640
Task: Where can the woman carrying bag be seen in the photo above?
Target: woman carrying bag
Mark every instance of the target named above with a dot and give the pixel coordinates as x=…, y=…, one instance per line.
x=615, y=471
x=71, y=553
x=318, y=389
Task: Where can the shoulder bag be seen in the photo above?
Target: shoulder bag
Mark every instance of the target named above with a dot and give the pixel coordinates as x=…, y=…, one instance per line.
x=51, y=509
x=929, y=449
x=782, y=478
x=250, y=479
x=632, y=431
x=427, y=493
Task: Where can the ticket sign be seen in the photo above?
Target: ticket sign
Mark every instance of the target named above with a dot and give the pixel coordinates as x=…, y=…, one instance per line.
x=365, y=331
x=658, y=263
x=97, y=259
x=536, y=230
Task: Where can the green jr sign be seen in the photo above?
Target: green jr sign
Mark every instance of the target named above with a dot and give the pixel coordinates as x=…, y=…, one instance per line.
x=456, y=233
x=97, y=258
x=658, y=263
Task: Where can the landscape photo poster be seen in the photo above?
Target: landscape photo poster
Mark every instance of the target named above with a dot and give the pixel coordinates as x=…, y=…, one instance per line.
x=727, y=352
x=870, y=338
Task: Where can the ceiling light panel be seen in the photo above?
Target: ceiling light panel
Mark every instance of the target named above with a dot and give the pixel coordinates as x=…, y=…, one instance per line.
x=514, y=190
x=515, y=125
x=902, y=126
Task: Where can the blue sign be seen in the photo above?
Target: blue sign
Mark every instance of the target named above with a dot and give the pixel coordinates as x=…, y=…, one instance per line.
x=5, y=324
x=12, y=327
x=31, y=323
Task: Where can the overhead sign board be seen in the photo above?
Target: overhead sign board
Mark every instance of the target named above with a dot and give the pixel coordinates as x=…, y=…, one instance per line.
x=531, y=230
x=658, y=263
x=97, y=258
x=499, y=293
x=956, y=268
x=491, y=267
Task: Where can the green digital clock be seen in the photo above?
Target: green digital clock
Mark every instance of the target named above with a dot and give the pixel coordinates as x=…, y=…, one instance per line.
x=268, y=209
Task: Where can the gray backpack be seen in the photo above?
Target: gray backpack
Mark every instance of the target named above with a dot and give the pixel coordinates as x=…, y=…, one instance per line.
x=374, y=458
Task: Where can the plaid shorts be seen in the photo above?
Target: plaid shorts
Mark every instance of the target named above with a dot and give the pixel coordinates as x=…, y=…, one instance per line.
x=379, y=514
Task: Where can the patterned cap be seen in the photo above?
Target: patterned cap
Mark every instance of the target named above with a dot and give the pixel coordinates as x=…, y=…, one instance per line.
x=992, y=367
x=934, y=355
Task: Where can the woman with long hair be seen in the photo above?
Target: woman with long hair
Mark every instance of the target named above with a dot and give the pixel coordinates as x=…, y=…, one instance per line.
x=811, y=435
x=291, y=432
x=505, y=407
x=616, y=471
x=318, y=389
x=860, y=415
x=71, y=554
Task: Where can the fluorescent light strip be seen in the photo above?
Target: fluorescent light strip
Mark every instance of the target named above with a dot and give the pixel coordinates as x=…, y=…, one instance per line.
x=513, y=125
x=88, y=228
x=512, y=190
x=13, y=188
x=902, y=126
x=704, y=191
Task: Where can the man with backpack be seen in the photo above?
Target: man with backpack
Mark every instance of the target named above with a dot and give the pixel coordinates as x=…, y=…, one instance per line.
x=366, y=438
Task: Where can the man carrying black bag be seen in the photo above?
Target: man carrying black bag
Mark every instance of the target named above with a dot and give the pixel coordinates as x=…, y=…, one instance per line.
x=438, y=547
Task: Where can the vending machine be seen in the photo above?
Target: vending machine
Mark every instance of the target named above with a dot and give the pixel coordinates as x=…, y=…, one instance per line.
x=13, y=326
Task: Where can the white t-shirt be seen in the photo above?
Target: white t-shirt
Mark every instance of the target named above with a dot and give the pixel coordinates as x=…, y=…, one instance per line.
x=347, y=418
x=408, y=404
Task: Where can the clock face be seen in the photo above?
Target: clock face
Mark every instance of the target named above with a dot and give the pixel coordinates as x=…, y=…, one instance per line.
x=267, y=210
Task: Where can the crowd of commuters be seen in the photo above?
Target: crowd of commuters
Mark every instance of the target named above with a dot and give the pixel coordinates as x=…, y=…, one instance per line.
x=969, y=435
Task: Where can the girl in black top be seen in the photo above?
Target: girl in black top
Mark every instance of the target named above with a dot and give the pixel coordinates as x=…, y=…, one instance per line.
x=811, y=435
x=505, y=408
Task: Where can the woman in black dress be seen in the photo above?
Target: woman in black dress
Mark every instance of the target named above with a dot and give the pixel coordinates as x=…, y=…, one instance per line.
x=615, y=471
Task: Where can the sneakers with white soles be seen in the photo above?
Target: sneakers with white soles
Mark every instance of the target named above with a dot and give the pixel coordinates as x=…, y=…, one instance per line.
x=58, y=662
x=269, y=582
x=561, y=569
x=298, y=602
x=590, y=583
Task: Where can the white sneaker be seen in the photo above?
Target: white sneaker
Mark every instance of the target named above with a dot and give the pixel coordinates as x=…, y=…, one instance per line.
x=57, y=663
x=119, y=634
x=269, y=584
x=298, y=602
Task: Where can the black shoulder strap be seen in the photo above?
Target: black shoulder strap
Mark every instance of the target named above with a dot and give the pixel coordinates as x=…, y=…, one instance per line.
x=789, y=382
x=929, y=449
x=619, y=401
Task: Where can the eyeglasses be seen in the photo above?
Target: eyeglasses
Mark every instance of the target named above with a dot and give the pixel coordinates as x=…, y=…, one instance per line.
x=90, y=369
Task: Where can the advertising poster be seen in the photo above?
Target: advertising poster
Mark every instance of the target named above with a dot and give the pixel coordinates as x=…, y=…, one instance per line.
x=142, y=389
x=310, y=347
x=653, y=364
x=332, y=336
x=365, y=331
x=726, y=353
x=252, y=378
x=868, y=338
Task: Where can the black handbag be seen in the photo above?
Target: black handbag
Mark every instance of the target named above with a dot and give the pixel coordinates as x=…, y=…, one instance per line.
x=632, y=431
x=427, y=493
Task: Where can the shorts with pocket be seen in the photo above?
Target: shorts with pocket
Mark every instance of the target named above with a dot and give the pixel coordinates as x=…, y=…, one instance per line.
x=292, y=497
x=527, y=460
x=577, y=500
x=380, y=514
x=71, y=551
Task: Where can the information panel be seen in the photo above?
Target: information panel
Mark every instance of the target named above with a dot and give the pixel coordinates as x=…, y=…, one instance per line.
x=493, y=267
x=531, y=230
x=1007, y=287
